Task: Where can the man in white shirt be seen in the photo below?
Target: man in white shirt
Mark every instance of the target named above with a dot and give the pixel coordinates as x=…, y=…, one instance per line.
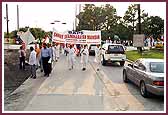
x=71, y=57
x=98, y=56
x=32, y=62
x=57, y=51
x=84, y=57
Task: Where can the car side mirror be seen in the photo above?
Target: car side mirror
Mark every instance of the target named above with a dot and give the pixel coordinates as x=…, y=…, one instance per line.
x=103, y=49
x=130, y=65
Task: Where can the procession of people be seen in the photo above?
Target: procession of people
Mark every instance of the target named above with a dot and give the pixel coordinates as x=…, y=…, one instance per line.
x=44, y=55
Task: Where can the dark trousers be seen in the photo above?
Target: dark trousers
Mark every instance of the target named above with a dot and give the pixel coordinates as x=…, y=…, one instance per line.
x=46, y=67
x=22, y=62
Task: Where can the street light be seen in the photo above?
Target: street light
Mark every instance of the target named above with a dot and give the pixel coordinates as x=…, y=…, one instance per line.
x=56, y=21
x=63, y=23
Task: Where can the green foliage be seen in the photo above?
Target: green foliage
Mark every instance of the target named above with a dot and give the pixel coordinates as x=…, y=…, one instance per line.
x=153, y=25
x=98, y=18
x=105, y=18
x=38, y=33
x=134, y=55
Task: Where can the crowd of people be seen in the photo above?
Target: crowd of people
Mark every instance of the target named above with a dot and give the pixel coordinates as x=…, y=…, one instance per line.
x=43, y=56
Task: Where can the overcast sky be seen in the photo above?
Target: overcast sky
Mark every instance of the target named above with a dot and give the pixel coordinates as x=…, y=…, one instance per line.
x=41, y=14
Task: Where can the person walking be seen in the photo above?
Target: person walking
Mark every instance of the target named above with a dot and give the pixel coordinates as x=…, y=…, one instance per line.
x=71, y=57
x=22, y=56
x=66, y=49
x=32, y=62
x=54, y=52
x=84, y=57
x=40, y=59
x=38, y=50
x=57, y=51
x=98, y=56
x=51, y=57
x=46, y=55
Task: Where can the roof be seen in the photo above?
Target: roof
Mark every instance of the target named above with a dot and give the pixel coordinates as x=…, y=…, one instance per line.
x=151, y=60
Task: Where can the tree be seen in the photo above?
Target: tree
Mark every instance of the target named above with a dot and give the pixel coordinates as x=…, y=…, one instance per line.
x=131, y=19
x=153, y=25
x=37, y=33
x=98, y=18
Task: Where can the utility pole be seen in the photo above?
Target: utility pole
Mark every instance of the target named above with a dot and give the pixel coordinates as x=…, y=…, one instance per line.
x=17, y=17
x=139, y=24
x=7, y=20
x=139, y=18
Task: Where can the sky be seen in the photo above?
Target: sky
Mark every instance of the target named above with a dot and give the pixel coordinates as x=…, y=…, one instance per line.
x=41, y=14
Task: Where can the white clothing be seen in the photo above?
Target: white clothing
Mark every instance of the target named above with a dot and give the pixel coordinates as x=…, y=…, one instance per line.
x=149, y=42
x=57, y=51
x=85, y=54
x=71, y=57
x=98, y=53
x=54, y=53
x=81, y=55
x=32, y=58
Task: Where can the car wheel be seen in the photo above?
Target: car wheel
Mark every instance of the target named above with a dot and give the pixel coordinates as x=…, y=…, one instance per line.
x=143, y=90
x=103, y=61
x=125, y=79
x=122, y=63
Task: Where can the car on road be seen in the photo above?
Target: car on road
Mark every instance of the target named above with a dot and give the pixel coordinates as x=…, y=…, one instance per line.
x=146, y=73
x=92, y=49
x=113, y=53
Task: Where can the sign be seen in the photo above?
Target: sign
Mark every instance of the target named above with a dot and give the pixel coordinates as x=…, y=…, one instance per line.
x=83, y=37
x=138, y=40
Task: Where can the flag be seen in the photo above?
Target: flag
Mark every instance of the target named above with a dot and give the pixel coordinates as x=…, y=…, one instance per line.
x=27, y=37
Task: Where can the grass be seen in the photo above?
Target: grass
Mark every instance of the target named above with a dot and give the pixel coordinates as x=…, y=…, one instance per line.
x=134, y=55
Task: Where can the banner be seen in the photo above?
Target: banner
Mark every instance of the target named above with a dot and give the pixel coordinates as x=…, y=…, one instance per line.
x=83, y=37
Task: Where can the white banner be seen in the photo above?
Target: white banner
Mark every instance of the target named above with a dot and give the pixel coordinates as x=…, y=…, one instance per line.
x=83, y=37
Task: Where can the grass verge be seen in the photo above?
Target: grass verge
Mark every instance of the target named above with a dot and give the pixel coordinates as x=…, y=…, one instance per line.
x=134, y=55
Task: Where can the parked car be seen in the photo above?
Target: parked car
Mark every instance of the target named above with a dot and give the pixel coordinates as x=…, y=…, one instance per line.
x=148, y=74
x=92, y=49
x=113, y=53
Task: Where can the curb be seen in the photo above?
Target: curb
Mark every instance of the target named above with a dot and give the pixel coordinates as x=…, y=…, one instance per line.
x=129, y=61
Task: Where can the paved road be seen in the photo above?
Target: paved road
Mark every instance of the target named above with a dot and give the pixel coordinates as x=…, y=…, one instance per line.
x=76, y=90
x=127, y=94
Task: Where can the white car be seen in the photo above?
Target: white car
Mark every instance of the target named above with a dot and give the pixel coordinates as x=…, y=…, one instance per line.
x=113, y=53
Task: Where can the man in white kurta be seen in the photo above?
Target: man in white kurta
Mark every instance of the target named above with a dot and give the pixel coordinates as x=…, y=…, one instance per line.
x=71, y=57
x=32, y=62
x=57, y=51
x=98, y=56
x=54, y=53
x=85, y=54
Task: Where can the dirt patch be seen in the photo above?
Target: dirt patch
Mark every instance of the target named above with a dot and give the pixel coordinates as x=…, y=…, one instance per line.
x=13, y=76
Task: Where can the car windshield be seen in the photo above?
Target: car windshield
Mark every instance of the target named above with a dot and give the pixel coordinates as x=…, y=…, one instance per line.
x=116, y=48
x=157, y=67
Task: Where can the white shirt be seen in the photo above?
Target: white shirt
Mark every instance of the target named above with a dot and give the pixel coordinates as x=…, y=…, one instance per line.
x=97, y=51
x=85, y=52
x=72, y=52
x=32, y=58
